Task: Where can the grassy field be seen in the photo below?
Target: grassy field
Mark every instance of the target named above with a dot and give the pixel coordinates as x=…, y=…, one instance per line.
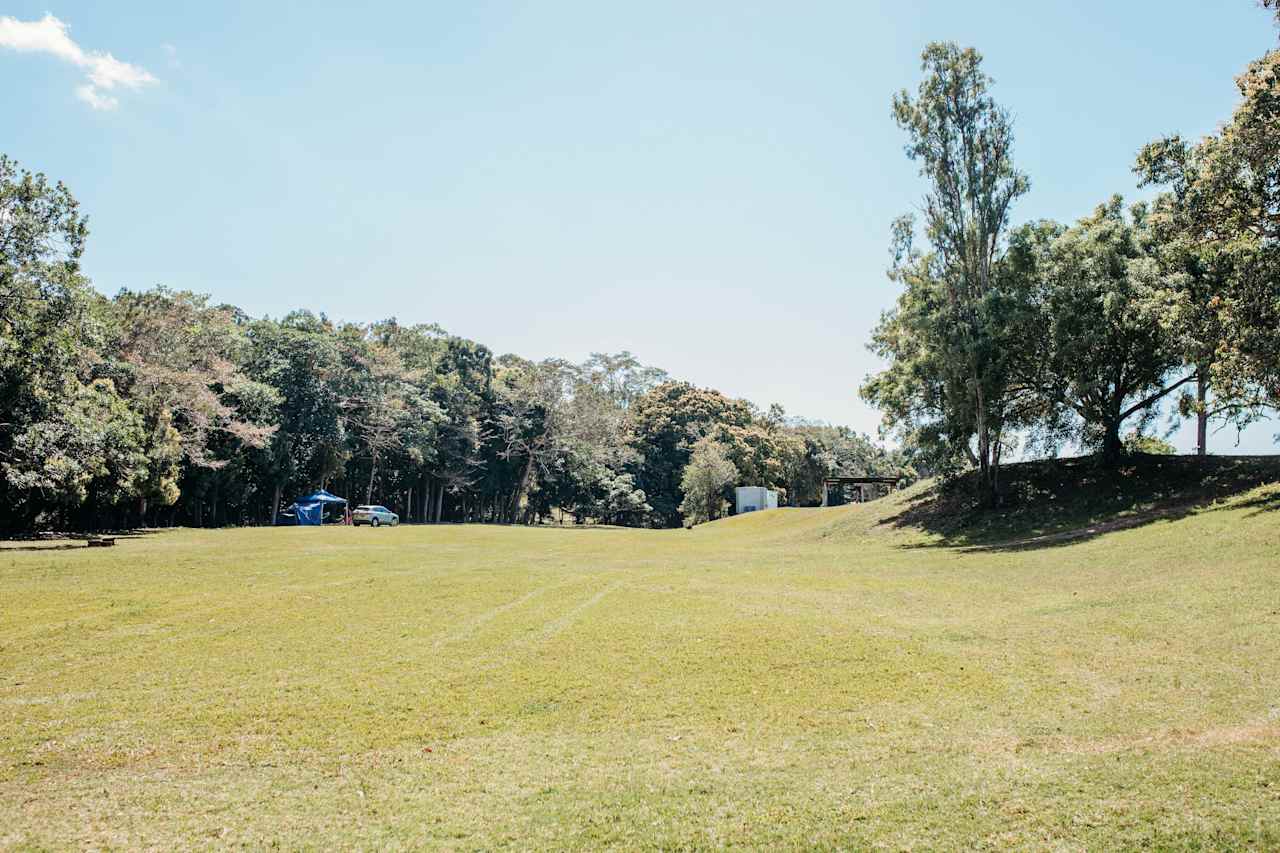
x=801, y=678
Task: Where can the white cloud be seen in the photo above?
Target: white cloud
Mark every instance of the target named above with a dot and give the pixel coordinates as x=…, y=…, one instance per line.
x=96, y=99
x=105, y=72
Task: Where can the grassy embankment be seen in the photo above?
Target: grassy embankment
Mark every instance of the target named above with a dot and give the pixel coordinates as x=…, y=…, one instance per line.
x=1097, y=666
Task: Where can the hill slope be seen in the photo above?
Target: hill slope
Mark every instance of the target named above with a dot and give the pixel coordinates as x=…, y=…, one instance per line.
x=1062, y=499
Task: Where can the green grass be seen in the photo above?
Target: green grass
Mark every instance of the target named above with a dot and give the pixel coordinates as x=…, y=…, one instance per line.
x=801, y=678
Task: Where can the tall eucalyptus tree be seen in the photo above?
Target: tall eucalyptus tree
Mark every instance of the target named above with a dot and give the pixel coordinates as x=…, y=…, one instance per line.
x=963, y=142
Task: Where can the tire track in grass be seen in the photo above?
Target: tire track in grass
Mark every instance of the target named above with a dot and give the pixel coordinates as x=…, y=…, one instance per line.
x=556, y=626
x=473, y=625
x=549, y=631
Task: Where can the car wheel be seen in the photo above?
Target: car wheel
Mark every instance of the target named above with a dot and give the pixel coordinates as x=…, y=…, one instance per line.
x=373, y=522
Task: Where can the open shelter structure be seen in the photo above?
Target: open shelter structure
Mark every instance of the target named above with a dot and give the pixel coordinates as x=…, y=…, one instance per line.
x=310, y=510
x=837, y=491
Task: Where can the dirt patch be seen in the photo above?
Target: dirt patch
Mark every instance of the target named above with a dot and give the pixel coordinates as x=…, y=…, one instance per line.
x=1177, y=738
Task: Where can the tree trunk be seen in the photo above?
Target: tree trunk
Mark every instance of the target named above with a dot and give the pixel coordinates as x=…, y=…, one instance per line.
x=526, y=479
x=215, y=508
x=1202, y=414
x=1112, y=446
x=986, y=473
x=373, y=472
x=993, y=472
x=275, y=503
x=439, y=501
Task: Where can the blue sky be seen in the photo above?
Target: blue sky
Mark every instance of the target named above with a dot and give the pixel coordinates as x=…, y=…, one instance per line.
x=709, y=185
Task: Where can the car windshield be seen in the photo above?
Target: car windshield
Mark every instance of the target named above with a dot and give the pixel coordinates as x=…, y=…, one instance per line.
x=365, y=506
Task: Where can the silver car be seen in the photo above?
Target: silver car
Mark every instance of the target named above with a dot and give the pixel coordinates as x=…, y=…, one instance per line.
x=373, y=516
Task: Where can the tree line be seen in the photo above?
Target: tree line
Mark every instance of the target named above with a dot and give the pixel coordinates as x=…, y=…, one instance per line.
x=1048, y=335
x=159, y=407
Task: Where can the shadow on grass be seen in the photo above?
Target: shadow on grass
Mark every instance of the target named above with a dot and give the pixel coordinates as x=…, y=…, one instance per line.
x=1056, y=502
x=1269, y=502
x=69, y=541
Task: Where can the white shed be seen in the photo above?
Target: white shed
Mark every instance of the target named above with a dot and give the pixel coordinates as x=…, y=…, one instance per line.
x=753, y=498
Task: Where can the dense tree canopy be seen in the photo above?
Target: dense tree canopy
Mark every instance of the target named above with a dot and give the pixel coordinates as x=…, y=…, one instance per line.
x=1047, y=335
x=158, y=407
x=1221, y=212
x=1104, y=352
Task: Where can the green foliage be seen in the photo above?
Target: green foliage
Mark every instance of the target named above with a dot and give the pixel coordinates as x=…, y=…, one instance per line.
x=50, y=448
x=814, y=451
x=707, y=477
x=665, y=423
x=1105, y=353
x=177, y=357
x=1152, y=445
x=159, y=407
x=1223, y=212
x=1061, y=335
x=299, y=358
x=91, y=438
x=950, y=339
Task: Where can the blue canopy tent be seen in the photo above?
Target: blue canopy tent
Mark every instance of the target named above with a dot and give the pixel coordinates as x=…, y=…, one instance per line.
x=308, y=513
x=309, y=510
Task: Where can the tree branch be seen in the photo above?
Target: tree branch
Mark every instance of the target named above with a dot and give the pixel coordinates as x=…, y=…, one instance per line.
x=1139, y=406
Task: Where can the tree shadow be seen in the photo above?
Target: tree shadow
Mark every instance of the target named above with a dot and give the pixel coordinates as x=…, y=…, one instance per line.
x=70, y=541
x=1266, y=502
x=1052, y=503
